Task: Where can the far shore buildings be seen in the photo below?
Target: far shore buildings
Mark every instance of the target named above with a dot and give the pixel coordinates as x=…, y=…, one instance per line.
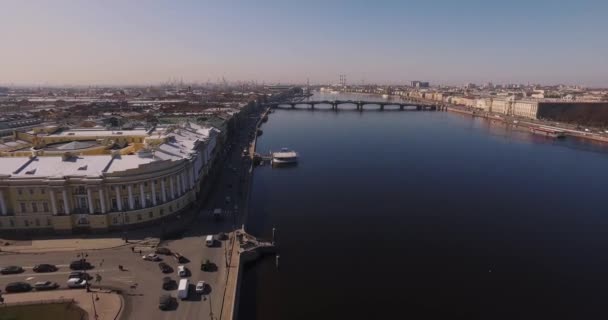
x=62, y=180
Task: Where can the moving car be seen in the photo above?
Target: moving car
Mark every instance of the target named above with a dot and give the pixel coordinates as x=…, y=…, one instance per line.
x=181, y=271
x=209, y=241
x=45, y=267
x=18, y=287
x=79, y=275
x=11, y=270
x=151, y=257
x=182, y=289
x=165, y=302
x=165, y=268
x=200, y=287
x=76, y=283
x=80, y=265
x=45, y=285
x=168, y=283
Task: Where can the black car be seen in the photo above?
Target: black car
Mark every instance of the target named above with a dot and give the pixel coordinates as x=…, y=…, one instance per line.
x=45, y=267
x=168, y=283
x=165, y=302
x=18, y=287
x=165, y=268
x=11, y=270
x=45, y=285
x=80, y=265
x=79, y=275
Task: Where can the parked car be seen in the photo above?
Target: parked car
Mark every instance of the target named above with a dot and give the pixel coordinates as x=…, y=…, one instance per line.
x=45, y=285
x=18, y=287
x=11, y=270
x=162, y=250
x=165, y=268
x=80, y=265
x=151, y=257
x=200, y=287
x=168, y=283
x=76, y=283
x=80, y=275
x=165, y=302
x=45, y=267
x=207, y=265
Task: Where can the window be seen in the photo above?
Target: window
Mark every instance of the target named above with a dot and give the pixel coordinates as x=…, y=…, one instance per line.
x=34, y=207
x=150, y=214
x=20, y=191
x=114, y=220
x=114, y=204
x=162, y=212
x=37, y=222
x=170, y=208
x=22, y=204
x=45, y=205
x=31, y=191
x=145, y=184
x=48, y=221
x=12, y=222
x=139, y=217
x=123, y=187
x=27, y=223
x=42, y=190
x=127, y=218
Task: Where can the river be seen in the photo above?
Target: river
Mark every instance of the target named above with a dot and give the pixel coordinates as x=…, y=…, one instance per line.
x=425, y=215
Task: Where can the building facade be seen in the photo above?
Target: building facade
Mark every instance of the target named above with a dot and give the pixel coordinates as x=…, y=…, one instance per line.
x=144, y=177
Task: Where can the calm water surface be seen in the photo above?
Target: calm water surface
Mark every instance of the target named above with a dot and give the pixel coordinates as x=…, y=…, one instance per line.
x=427, y=215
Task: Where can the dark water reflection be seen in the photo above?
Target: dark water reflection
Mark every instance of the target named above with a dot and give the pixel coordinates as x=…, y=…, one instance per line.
x=427, y=215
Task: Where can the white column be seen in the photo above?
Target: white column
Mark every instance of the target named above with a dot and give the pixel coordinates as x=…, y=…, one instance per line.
x=183, y=177
x=2, y=203
x=192, y=178
x=90, y=200
x=172, y=187
x=102, y=200
x=131, y=202
x=178, y=180
x=153, y=186
x=118, y=198
x=53, y=201
x=142, y=195
x=66, y=205
x=163, y=189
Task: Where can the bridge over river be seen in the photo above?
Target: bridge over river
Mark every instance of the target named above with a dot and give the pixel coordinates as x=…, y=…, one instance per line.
x=359, y=105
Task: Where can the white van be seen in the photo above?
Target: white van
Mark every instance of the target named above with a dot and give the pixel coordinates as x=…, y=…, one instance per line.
x=209, y=241
x=182, y=289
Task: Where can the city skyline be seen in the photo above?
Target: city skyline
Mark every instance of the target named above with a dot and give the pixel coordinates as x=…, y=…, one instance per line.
x=115, y=43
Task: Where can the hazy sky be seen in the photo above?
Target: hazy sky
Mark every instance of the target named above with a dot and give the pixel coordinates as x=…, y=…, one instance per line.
x=452, y=41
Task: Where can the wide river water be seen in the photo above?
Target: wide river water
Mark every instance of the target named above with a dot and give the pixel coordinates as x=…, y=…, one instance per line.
x=426, y=215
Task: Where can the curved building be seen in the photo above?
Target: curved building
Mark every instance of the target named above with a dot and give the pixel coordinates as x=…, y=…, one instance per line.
x=96, y=180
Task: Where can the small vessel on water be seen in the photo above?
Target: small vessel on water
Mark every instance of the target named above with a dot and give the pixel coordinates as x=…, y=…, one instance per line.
x=548, y=132
x=285, y=156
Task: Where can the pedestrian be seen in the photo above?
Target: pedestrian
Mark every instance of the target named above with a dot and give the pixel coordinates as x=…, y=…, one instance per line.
x=132, y=249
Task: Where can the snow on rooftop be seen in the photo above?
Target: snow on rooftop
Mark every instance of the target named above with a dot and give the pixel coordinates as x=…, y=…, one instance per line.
x=56, y=166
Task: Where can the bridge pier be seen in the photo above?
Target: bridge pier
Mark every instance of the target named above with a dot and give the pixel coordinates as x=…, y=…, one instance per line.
x=381, y=107
x=334, y=106
x=401, y=107
x=359, y=106
x=312, y=106
x=293, y=105
x=418, y=108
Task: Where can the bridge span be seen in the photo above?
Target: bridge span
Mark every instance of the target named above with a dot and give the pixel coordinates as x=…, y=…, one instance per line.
x=359, y=104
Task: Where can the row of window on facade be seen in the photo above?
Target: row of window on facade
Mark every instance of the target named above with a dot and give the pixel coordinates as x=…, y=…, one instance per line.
x=35, y=222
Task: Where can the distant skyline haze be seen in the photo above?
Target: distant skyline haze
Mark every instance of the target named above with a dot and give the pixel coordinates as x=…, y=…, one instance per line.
x=445, y=42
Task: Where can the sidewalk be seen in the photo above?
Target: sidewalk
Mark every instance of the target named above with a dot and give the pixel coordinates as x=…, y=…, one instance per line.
x=70, y=244
x=107, y=306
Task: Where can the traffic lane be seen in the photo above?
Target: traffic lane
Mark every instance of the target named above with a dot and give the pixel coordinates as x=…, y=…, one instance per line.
x=198, y=306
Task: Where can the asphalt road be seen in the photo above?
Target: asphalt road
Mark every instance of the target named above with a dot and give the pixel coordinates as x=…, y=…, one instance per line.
x=141, y=281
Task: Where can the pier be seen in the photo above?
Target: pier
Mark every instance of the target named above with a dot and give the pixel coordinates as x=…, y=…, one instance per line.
x=360, y=105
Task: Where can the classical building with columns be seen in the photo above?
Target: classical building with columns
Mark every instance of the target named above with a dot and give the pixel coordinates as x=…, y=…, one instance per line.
x=92, y=179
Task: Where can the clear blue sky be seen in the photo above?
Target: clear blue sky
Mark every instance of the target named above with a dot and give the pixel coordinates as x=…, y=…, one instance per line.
x=452, y=42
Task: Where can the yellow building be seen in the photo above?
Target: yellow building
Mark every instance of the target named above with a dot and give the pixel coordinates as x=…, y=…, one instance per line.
x=99, y=180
